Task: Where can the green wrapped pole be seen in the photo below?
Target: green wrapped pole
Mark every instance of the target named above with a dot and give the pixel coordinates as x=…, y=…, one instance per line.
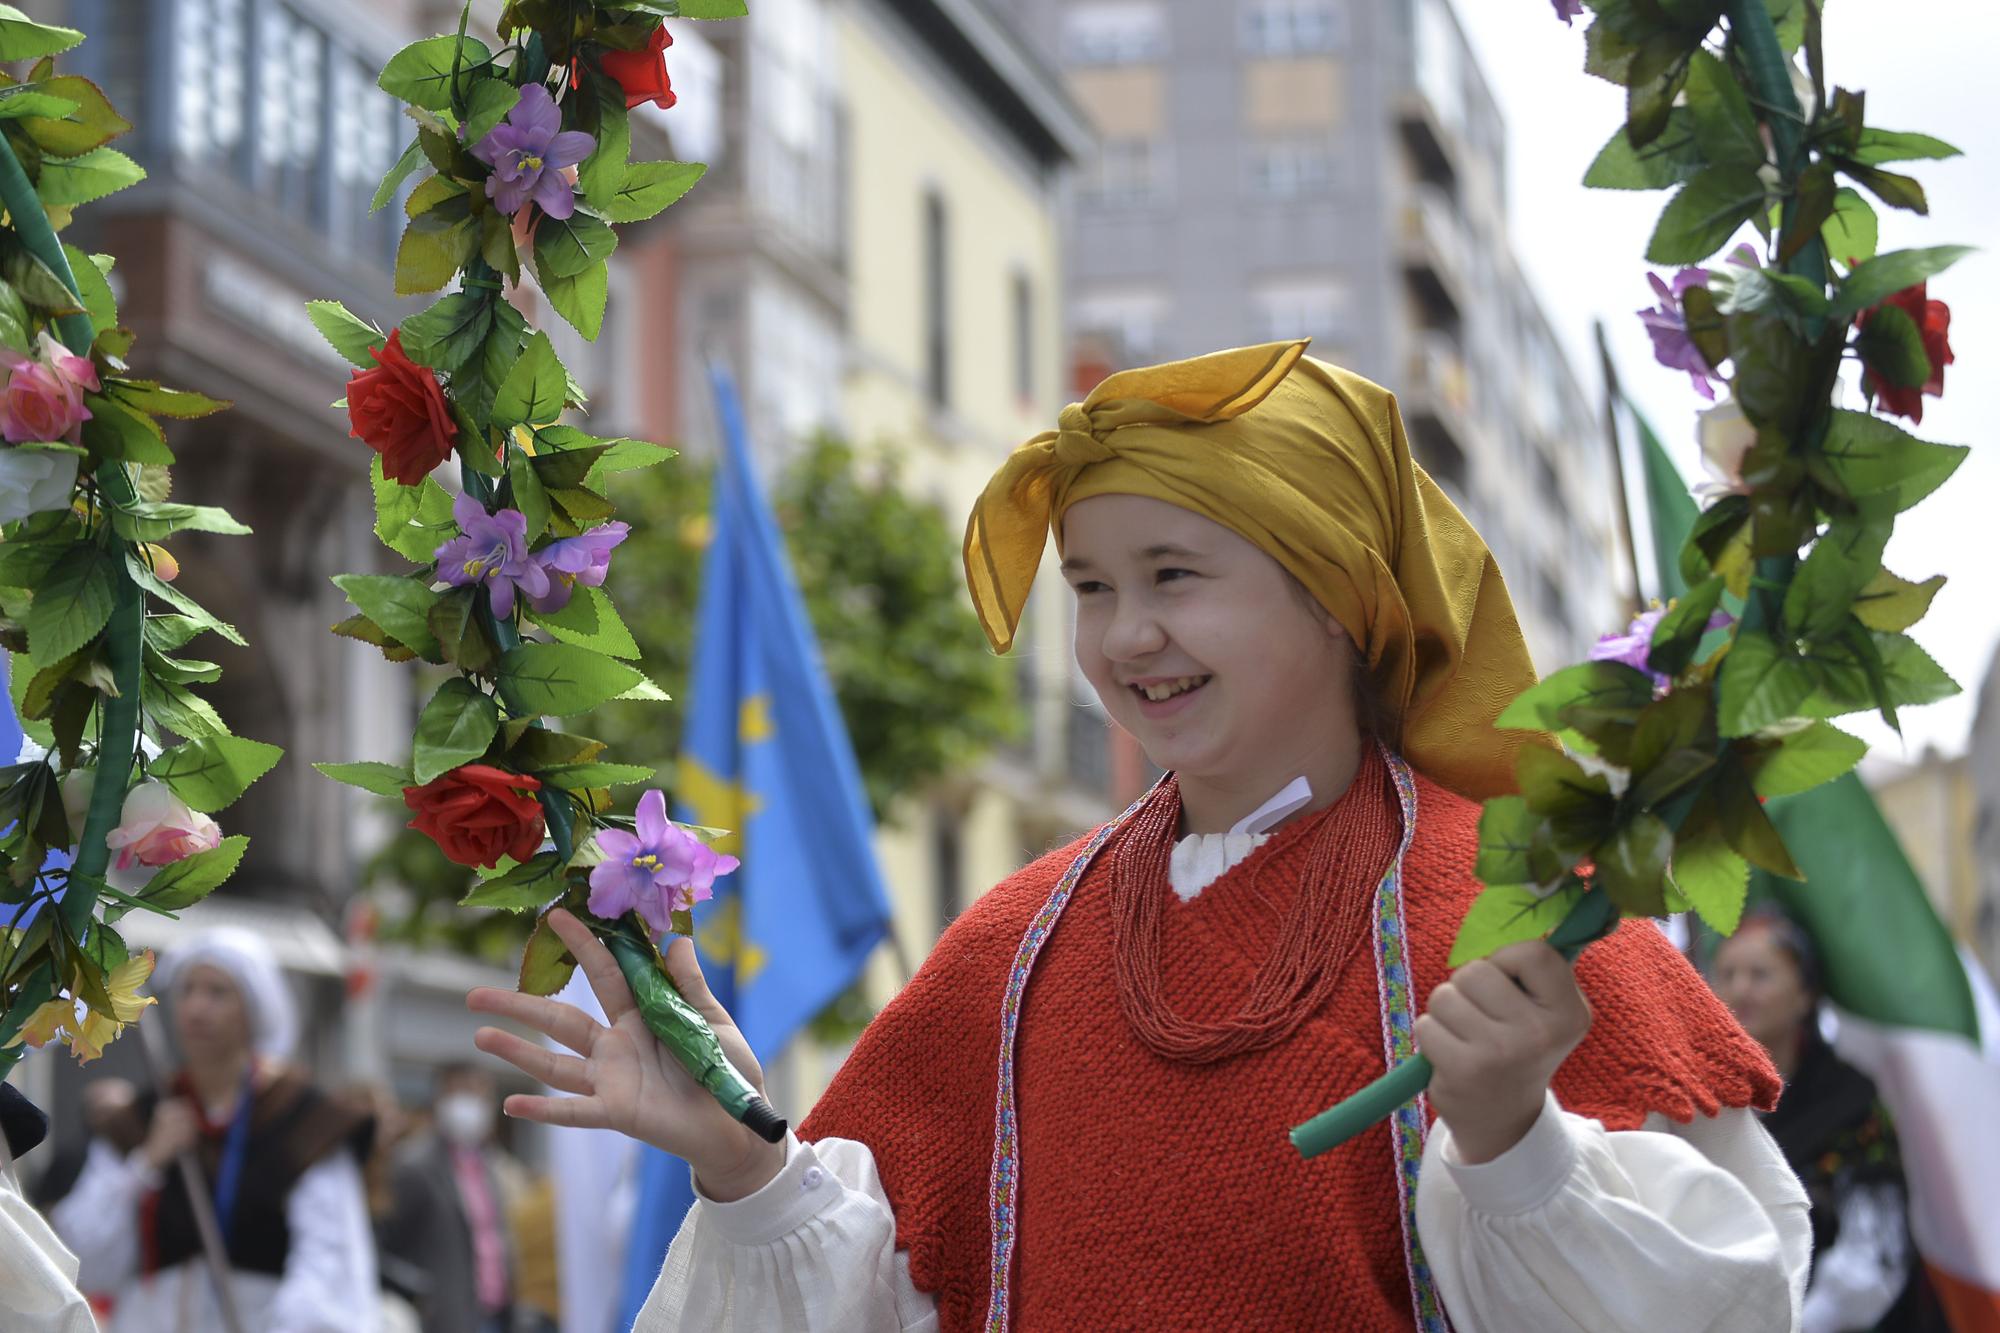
x=1593, y=916
x=687, y=1034
x=118, y=715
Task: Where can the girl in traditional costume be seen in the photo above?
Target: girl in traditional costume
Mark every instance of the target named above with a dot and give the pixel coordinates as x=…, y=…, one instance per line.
x=1075, y=1114
x=280, y=1160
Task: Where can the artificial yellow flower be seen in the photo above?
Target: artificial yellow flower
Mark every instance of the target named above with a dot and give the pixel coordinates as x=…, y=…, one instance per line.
x=100, y=1029
x=42, y=1024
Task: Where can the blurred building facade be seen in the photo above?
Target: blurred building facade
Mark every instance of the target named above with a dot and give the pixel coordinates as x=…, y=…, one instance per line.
x=1336, y=168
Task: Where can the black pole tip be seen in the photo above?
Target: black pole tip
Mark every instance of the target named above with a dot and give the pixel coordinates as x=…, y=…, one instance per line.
x=763, y=1121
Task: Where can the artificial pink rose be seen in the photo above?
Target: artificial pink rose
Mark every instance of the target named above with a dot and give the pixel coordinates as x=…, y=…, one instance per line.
x=157, y=828
x=43, y=400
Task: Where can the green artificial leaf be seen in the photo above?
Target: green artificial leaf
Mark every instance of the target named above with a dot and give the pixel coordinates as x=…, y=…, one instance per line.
x=189, y=880
x=400, y=605
x=1632, y=865
x=1705, y=213
x=1669, y=774
x=1913, y=676
x=559, y=679
x=486, y=105
x=1713, y=878
x=526, y=492
x=1892, y=346
x=92, y=287
x=604, y=170
x=24, y=100
x=145, y=522
x=1878, y=146
x=21, y=38
x=580, y=300
x=1802, y=759
x=1680, y=631
x=479, y=380
x=713, y=9
x=1748, y=829
x=1725, y=128
x=412, y=521
x=1867, y=458
x=166, y=634
x=380, y=779
x=1841, y=563
x=1667, y=161
x=535, y=748
x=1760, y=684
x=527, y=887
x=1554, y=784
x=117, y=432
x=180, y=710
x=451, y=332
x=90, y=122
x=1573, y=699
x=589, y=620
x=1738, y=290
x=1877, y=279
x=627, y=456
x=421, y=73
x=435, y=246
x=455, y=728
x=1506, y=838
x=565, y=467
x=392, y=180
x=72, y=604
x=536, y=389
x=1813, y=202
x=1850, y=231
x=1893, y=604
x=179, y=670
x=346, y=332
x=1507, y=914
x=567, y=247
x=87, y=177
x=649, y=187
x=363, y=630
x=585, y=508
x=153, y=584
x=461, y=631
x=1895, y=190
x=149, y=397
x=546, y=964
x=210, y=774
x=582, y=777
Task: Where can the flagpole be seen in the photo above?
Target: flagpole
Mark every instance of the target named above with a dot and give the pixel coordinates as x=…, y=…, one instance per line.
x=1635, y=596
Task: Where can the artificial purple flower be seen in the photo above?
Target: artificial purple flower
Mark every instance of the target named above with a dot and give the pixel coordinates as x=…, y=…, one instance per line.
x=528, y=152
x=1672, y=346
x=492, y=551
x=1634, y=647
x=659, y=870
x=573, y=560
x=1568, y=9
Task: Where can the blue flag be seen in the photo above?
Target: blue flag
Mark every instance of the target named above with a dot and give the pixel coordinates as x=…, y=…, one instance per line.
x=765, y=754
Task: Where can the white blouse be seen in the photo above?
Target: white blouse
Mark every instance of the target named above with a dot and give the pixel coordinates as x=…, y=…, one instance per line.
x=38, y=1291
x=329, y=1280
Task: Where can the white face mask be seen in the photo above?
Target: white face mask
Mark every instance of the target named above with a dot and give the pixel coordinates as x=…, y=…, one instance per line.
x=464, y=1118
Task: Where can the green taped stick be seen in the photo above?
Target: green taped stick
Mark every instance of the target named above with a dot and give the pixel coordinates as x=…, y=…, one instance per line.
x=1591, y=918
x=693, y=1042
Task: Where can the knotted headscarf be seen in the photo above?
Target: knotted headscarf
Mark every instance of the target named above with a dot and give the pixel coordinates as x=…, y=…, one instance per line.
x=1309, y=463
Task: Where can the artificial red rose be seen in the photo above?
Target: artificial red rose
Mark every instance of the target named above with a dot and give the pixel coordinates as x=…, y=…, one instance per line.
x=477, y=814
x=643, y=73
x=1933, y=320
x=400, y=411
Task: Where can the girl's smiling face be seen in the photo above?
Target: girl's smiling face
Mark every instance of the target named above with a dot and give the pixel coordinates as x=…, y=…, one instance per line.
x=1209, y=653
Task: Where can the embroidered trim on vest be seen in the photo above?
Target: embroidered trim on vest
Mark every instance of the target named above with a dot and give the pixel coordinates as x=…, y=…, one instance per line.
x=1392, y=982
x=1409, y=1125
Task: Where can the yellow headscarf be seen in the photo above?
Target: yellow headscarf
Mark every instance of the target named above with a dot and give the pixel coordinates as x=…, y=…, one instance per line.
x=1308, y=462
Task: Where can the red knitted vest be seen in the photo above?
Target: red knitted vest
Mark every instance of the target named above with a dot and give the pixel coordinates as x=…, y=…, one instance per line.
x=1157, y=1195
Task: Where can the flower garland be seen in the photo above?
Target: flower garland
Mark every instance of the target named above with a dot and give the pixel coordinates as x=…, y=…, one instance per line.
x=1676, y=732
x=527, y=153
x=88, y=608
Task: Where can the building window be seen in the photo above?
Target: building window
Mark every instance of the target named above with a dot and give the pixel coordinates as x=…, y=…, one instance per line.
x=1132, y=320
x=1290, y=168
x=1298, y=308
x=1127, y=173
x=937, y=303
x=1024, y=339
x=1115, y=34
x=1292, y=28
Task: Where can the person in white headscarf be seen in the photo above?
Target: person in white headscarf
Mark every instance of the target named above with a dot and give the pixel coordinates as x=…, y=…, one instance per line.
x=280, y=1163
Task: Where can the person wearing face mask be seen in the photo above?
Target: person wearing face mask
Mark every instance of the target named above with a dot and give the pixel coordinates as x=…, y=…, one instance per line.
x=1075, y=1115
x=278, y=1159
x=453, y=1187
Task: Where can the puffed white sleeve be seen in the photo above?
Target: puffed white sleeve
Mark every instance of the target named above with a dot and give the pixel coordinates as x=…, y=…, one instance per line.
x=38, y=1292
x=1577, y=1229
x=99, y=1218
x=329, y=1281
x=814, y=1251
